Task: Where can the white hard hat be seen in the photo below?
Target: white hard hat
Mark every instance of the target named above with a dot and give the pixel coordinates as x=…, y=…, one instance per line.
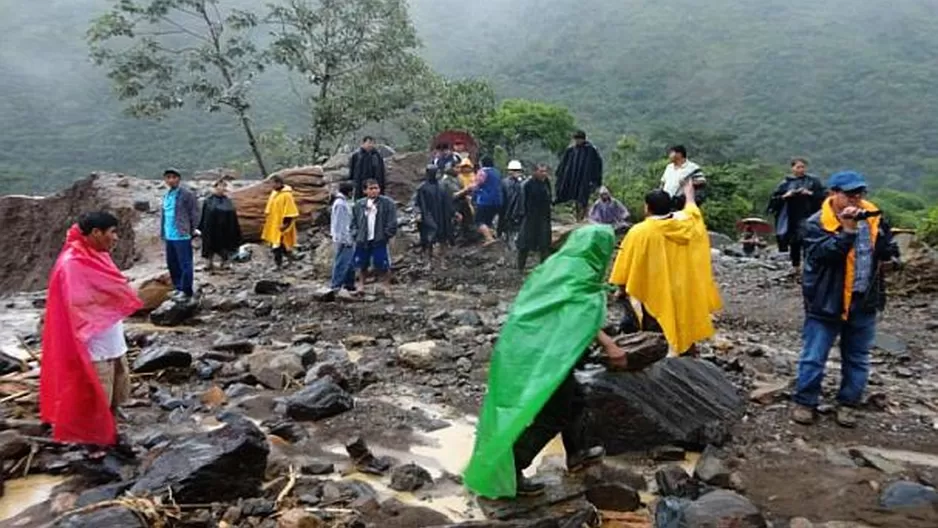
x=515, y=165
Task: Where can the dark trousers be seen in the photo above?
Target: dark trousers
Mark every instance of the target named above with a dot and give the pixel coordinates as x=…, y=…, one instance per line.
x=279, y=252
x=563, y=414
x=179, y=262
x=523, y=257
x=795, y=250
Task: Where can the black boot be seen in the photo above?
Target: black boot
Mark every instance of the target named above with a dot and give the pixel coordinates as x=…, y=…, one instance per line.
x=585, y=458
x=529, y=488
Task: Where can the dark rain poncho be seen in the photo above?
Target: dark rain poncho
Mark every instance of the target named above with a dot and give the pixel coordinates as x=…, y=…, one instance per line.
x=533, y=214
x=221, y=233
x=435, y=207
x=555, y=317
x=790, y=213
x=511, y=195
x=579, y=174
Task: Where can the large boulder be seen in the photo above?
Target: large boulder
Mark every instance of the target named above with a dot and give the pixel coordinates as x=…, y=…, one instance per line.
x=35, y=228
x=677, y=401
x=320, y=400
x=309, y=191
x=723, y=508
x=222, y=465
x=405, y=172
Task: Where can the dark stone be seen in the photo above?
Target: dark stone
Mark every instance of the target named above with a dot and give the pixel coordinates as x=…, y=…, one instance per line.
x=172, y=313
x=643, y=349
x=607, y=474
x=722, y=508
x=236, y=390
x=342, y=371
x=251, y=331
x=263, y=310
x=676, y=401
x=10, y=365
x=102, y=493
x=259, y=507
x=13, y=445
x=669, y=454
x=410, y=477
x=221, y=465
x=270, y=287
x=153, y=439
x=614, y=497
x=904, y=494
x=306, y=352
x=286, y=429
x=320, y=400
x=673, y=481
x=113, y=516
x=364, y=460
x=205, y=369
x=317, y=468
x=669, y=512
x=235, y=346
x=156, y=359
x=142, y=205
x=324, y=295
x=712, y=469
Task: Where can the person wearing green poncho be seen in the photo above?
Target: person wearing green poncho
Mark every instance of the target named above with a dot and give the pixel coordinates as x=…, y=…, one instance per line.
x=532, y=393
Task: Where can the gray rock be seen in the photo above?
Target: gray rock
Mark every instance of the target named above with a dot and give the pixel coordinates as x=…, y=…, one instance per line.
x=673, y=481
x=891, y=344
x=13, y=445
x=682, y=401
x=172, y=313
x=875, y=461
x=156, y=359
x=113, y=516
x=614, y=497
x=669, y=454
x=233, y=345
x=318, y=401
x=221, y=465
x=720, y=241
x=409, y=477
x=102, y=493
x=464, y=364
x=318, y=468
x=275, y=368
x=306, y=352
x=723, y=508
x=712, y=469
x=419, y=356
x=905, y=494
x=270, y=287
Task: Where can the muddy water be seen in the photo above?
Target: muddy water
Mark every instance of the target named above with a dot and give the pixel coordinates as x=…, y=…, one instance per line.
x=20, y=494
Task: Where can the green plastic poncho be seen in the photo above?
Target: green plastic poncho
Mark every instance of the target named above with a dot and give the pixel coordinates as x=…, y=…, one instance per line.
x=555, y=317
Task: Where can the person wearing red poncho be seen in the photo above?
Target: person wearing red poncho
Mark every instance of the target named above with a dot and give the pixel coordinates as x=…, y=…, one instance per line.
x=84, y=374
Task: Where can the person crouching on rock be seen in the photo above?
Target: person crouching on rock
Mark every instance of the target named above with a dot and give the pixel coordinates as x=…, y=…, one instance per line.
x=280, y=223
x=84, y=375
x=221, y=233
x=374, y=224
x=433, y=208
x=343, y=269
x=532, y=392
x=845, y=243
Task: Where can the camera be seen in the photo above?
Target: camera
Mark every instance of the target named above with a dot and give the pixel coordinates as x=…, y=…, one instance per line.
x=863, y=215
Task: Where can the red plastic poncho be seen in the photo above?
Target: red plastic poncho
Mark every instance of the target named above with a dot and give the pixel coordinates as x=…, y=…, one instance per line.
x=87, y=295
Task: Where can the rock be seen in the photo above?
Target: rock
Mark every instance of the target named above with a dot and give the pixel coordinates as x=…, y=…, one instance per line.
x=236, y=346
x=306, y=352
x=270, y=287
x=13, y=445
x=222, y=465
x=723, y=508
x=467, y=318
x=681, y=401
x=258, y=507
x=317, y=468
x=286, y=429
x=409, y=477
x=263, y=310
x=213, y=397
x=154, y=291
x=364, y=460
x=875, y=461
x=205, y=369
x=274, y=369
x=720, y=241
x=112, y=516
x=320, y=400
x=800, y=522
x=838, y=457
x=643, y=349
x=299, y=518
x=236, y=390
x=599, y=474
x=673, y=481
x=464, y=364
x=102, y=493
x=712, y=469
x=891, y=344
x=905, y=494
x=172, y=313
x=418, y=356
x=160, y=358
x=614, y=497
x=309, y=192
x=768, y=393
x=9, y=365
x=142, y=206
x=324, y=295
x=669, y=454
x=359, y=341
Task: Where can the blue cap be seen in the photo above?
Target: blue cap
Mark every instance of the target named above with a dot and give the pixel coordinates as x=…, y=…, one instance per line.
x=846, y=181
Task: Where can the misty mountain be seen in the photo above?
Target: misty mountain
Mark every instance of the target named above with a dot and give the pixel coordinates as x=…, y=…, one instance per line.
x=845, y=83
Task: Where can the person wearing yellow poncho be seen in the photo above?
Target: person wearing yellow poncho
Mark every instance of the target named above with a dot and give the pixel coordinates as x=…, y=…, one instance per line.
x=280, y=222
x=664, y=263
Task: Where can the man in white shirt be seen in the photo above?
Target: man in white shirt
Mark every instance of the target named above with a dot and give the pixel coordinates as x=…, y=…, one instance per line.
x=676, y=173
x=374, y=223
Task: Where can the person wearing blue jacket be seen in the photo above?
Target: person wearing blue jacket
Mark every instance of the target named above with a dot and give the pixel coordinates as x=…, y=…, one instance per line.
x=487, y=198
x=846, y=243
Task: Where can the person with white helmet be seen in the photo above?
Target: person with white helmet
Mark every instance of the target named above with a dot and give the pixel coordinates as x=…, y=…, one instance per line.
x=508, y=223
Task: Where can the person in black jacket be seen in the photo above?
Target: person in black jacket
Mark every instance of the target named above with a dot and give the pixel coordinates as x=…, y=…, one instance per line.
x=795, y=199
x=433, y=208
x=580, y=173
x=367, y=164
x=846, y=243
x=533, y=215
x=221, y=233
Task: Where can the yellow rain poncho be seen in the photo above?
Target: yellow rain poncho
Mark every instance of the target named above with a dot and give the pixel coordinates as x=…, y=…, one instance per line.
x=665, y=265
x=280, y=206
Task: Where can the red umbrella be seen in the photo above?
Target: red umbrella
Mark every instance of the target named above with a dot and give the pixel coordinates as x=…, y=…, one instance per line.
x=754, y=224
x=457, y=137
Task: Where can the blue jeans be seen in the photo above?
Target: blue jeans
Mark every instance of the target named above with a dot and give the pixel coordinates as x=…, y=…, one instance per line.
x=343, y=272
x=179, y=262
x=856, y=338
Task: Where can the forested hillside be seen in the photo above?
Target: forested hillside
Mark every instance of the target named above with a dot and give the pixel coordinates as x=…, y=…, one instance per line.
x=845, y=83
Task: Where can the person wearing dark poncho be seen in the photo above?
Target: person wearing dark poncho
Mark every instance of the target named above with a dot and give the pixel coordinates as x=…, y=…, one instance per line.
x=511, y=195
x=580, y=173
x=221, y=233
x=433, y=208
x=532, y=393
x=532, y=213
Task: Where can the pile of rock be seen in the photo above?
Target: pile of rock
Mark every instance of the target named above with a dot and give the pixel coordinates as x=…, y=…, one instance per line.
x=309, y=191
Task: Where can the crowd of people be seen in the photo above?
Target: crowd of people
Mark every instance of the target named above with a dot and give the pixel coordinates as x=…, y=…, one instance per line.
x=661, y=273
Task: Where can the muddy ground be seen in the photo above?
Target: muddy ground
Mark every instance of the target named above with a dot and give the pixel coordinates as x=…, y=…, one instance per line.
x=426, y=413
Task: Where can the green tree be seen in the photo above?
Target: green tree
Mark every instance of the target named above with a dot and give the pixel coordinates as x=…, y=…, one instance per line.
x=359, y=58
x=161, y=53
x=518, y=122
x=460, y=104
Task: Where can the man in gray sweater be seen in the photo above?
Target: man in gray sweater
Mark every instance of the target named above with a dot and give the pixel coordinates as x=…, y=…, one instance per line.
x=374, y=223
x=343, y=271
